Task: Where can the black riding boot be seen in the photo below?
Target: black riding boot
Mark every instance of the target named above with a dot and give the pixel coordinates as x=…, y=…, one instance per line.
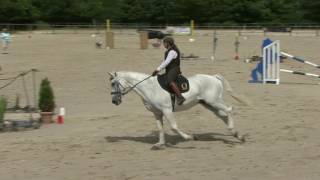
x=180, y=98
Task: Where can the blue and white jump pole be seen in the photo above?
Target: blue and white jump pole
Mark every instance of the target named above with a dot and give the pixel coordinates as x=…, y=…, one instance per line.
x=300, y=73
x=300, y=59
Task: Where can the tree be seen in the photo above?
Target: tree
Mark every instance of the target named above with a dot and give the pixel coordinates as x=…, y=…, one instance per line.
x=282, y=11
x=311, y=10
x=160, y=11
x=19, y=11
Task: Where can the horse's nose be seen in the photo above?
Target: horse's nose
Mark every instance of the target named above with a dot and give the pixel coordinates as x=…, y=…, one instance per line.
x=115, y=102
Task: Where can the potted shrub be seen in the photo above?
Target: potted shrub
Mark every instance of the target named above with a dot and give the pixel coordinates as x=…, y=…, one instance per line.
x=46, y=101
x=3, y=105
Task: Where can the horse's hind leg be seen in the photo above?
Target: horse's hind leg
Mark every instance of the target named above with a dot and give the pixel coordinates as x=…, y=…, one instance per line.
x=228, y=120
x=224, y=113
x=172, y=121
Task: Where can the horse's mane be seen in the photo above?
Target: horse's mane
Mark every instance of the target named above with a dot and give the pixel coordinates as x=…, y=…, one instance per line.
x=132, y=75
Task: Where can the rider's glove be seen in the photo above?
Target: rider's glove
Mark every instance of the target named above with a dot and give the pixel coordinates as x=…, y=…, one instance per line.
x=155, y=72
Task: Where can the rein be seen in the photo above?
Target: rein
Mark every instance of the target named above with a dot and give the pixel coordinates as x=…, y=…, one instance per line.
x=131, y=88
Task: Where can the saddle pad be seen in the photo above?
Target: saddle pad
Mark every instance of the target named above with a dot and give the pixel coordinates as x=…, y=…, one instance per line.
x=181, y=82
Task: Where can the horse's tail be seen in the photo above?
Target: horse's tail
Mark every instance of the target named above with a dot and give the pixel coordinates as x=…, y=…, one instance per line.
x=229, y=89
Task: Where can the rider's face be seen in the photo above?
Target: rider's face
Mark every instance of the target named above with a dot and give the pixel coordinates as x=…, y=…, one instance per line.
x=166, y=45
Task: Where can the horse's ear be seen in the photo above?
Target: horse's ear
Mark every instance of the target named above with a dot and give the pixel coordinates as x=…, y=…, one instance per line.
x=111, y=75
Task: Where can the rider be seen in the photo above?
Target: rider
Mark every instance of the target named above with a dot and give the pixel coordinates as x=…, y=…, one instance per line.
x=172, y=66
x=6, y=39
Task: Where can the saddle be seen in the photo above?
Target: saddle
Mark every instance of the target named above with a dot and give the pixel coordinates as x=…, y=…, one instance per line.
x=181, y=82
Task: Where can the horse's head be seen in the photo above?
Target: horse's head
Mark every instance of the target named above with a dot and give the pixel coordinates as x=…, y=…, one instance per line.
x=116, y=88
x=124, y=82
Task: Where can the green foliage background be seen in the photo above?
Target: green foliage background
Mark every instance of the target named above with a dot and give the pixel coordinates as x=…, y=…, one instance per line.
x=160, y=11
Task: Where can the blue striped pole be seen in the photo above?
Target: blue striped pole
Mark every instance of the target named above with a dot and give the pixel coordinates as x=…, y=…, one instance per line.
x=300, y=73
x=300, y=60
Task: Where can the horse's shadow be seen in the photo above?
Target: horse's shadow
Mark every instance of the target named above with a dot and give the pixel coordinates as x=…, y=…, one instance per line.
x=152, y=138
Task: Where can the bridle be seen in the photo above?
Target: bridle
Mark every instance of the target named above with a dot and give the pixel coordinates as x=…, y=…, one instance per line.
x=117, y=88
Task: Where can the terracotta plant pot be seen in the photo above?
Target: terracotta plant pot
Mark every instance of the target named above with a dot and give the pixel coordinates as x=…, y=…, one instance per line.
x=46, y=117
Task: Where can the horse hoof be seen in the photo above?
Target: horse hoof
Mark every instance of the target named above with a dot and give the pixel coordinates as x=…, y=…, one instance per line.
x=239, y=137
x=158, y=147
x=195, y=137
x=235, y=134
x=244, y=138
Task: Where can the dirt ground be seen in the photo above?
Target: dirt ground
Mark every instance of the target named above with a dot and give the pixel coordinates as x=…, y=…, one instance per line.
x=101, y=141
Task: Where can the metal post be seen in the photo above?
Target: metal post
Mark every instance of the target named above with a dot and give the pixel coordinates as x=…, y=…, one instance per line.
x=35, y=104
x=215, y=41
x=192, y=27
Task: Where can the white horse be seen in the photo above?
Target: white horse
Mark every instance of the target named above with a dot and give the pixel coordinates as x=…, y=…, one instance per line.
x=204, y=89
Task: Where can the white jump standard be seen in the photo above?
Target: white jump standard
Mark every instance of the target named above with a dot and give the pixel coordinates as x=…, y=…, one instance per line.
x=271, y=63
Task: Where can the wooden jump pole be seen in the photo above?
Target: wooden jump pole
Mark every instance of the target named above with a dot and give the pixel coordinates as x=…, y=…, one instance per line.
x=108, y=25
x=264, y=32
x=109, y=36
x=191, y=27
x=144, y=40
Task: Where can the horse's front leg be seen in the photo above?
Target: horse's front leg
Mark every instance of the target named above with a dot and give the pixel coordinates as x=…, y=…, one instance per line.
x=161, y=143
x=172, y=121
